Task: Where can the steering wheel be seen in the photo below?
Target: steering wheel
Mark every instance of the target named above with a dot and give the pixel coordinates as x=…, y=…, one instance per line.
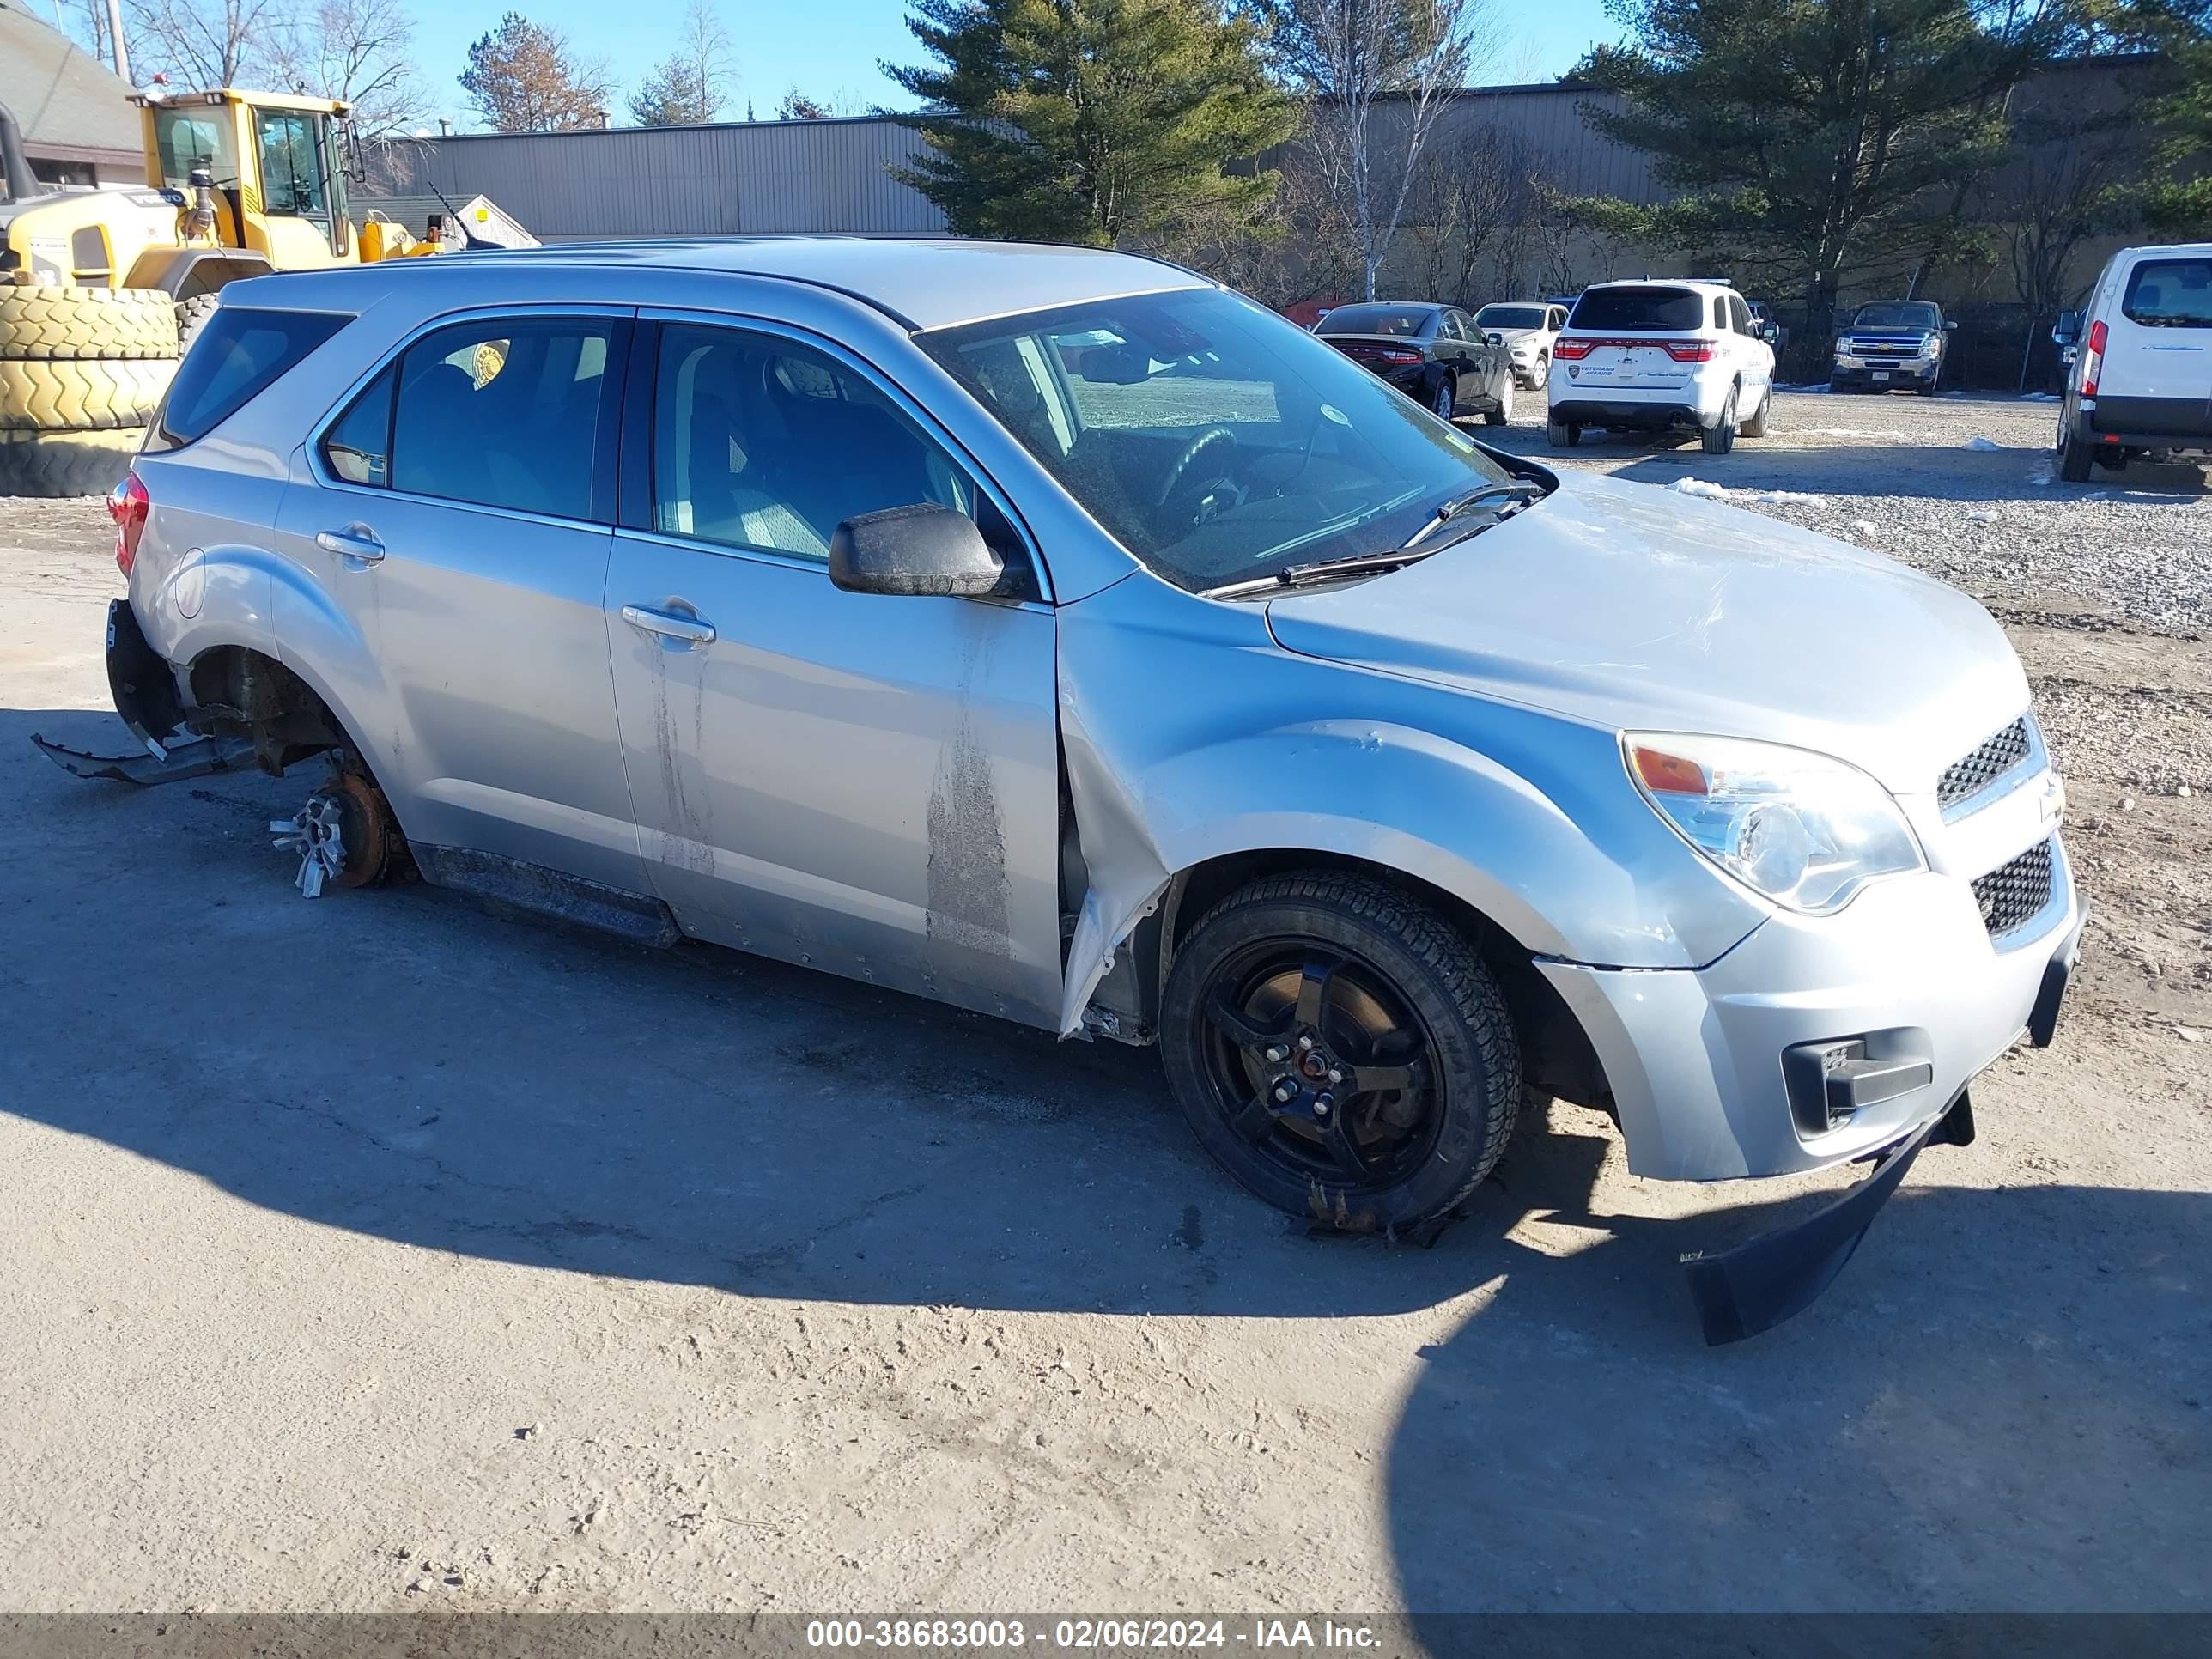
x=1192, y=451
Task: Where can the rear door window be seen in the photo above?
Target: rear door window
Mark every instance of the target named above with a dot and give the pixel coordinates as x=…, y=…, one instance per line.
x=2170, y=293
x=241, y=352
x=511, y=413
x=1640, y=310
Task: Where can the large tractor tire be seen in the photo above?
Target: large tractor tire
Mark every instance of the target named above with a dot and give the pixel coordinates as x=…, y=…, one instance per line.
x=89, y=394
x=45, y=323
x=191, y=318
x=53, y=464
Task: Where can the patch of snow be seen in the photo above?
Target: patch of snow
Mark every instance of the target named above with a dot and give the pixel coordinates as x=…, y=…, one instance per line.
x=1711, y=492
x=1983, y=443
x=1864, y=526
x=1788, y=497
x=1981, y=517
x=2040, y=397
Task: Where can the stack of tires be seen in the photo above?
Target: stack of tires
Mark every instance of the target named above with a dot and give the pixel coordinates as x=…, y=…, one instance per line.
x=81, y=372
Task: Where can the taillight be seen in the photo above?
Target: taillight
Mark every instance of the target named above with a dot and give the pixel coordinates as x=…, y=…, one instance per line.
x=1568, y=349
x=128, y=505
x=2092, y=360
x=1692, y=351
x=1398, y=354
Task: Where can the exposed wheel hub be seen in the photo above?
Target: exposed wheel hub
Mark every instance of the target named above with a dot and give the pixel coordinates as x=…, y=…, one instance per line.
x=1328, y=1062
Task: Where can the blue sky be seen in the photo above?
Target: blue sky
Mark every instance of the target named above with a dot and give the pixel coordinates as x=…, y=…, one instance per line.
x=829, y=49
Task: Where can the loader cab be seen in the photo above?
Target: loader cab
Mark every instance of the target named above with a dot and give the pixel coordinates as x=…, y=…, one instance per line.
x=274, y=164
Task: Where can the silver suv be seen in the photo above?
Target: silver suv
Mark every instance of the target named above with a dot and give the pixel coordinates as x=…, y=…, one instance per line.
x=1054, y=634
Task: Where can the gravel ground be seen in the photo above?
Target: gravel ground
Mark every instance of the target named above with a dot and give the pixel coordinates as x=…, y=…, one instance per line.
x=377, y=1254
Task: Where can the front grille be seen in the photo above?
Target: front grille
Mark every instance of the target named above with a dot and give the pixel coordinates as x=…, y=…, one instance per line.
x=1988, y=761
x=2014, y=893
x=1883, y=348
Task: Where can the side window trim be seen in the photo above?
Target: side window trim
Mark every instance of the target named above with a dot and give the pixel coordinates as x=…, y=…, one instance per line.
x=642, y=394
x=621, y=321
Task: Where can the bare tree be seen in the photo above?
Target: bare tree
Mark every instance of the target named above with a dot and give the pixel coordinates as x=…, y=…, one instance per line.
x=1378, y=74
x=522, y=78
x=693, y=82
x=87, y=22
x=2068, y=185
x=1474, y=184
x=205, y=44
x=356, y=50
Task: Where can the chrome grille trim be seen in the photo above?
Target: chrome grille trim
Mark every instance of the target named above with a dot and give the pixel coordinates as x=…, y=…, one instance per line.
x=2015, y=892
x=1983, y=764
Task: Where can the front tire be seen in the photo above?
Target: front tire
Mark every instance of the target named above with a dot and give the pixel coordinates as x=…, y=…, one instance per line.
x=1542, y=376
x=1501, y=413
x=1339, y=1048
x=1562, y=435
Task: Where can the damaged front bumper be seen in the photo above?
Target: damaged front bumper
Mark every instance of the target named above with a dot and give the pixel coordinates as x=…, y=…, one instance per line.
x=145, y=694
x=1817, y=1042
x=1758, y=1285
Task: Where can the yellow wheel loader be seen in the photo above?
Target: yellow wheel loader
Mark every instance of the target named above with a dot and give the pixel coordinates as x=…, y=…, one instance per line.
x=101, y=288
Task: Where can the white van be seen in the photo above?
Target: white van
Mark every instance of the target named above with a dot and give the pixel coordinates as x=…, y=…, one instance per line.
x=2140, y=379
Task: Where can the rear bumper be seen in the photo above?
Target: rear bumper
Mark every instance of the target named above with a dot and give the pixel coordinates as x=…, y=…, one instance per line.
x=1695, y=1058
x=1658, y=414
x=2144, y=423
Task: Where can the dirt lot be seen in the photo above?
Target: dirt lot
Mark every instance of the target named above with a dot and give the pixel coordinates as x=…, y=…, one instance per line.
x=376, y=1254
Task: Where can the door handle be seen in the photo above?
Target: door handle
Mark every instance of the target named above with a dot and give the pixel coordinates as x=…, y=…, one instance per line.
x=694, y=628
x=356, y=542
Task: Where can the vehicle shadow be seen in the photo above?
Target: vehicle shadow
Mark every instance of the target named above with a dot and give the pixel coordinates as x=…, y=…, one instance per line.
x=1817, y=461
x=2001, y=1402
x=2001, y=1406
x=402, y=1063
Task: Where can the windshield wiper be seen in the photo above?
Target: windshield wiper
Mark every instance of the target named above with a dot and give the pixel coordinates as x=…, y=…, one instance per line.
x=1525, y=488
x=1369, y=564
x=1319, y=570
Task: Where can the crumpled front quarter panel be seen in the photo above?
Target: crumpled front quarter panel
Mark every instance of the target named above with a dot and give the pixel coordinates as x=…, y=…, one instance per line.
x=1190, y=735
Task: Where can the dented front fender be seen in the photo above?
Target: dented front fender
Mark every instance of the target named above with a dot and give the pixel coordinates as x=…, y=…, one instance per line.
x=1190, y=735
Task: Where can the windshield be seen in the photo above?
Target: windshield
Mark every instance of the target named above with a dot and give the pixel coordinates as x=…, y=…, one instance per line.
x=1896, y=313
x=1403, y=321
x=2170, y=293
x=197, y=137
x=1639, y=310
x=1215, y=441
x=1509, y=317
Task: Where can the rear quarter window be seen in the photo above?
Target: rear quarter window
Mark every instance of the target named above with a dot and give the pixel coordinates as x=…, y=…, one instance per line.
x=241, y=352
x=1640, y=310
x=2170, y=293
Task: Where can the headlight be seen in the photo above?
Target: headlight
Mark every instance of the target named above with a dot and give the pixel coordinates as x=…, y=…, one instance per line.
x=1803, y=830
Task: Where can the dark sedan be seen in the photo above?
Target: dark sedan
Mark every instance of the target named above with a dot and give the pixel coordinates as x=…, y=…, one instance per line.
x=1433, y=353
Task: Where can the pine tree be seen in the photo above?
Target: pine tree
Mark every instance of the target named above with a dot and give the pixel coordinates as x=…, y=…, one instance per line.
x=1090, y=121
x=1819, y=138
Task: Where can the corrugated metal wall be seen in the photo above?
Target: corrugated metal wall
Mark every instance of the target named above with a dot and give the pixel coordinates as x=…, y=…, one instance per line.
x=752, y=177
x=797, y=176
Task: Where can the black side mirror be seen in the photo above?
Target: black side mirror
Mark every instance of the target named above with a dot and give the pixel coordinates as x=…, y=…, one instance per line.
x=1950, y=328
x=1770, y=333
x=2067, y=331
x=922, y=548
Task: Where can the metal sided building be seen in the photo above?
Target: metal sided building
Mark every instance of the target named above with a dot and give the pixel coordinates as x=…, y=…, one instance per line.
x=750, y=177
